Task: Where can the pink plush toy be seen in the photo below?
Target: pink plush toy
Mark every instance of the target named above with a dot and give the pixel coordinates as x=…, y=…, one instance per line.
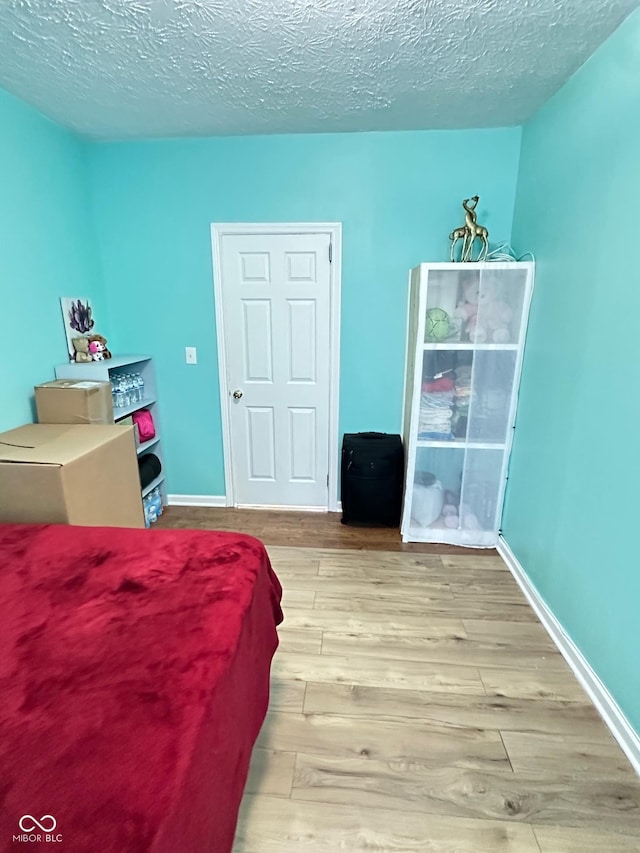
x=485, y=318
x=96, y=348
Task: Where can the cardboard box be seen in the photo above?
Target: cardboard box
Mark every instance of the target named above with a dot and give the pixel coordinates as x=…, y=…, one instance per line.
x=68, y=474
x=136, y=432
x=74, y=401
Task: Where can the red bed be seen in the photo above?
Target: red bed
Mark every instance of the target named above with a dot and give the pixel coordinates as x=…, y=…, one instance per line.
x=134, y=678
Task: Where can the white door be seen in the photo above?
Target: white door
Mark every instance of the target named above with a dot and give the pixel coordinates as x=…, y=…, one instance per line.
x=276, y=315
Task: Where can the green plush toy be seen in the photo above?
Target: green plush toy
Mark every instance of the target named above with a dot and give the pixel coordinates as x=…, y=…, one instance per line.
x=436, y=325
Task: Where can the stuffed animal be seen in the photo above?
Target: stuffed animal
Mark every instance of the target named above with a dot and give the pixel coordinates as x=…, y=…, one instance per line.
x=81, y=350
x=101, y=350
x=493, y=321
x=97, y=350
x=467, y=308
x=484, y=316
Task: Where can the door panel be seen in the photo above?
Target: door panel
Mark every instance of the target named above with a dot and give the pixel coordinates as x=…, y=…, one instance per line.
x=256, y=335
x=302, y=433
x=302, y=340
x=301, y=266
x=276, y=309
x=254, y=266
x=260, y=443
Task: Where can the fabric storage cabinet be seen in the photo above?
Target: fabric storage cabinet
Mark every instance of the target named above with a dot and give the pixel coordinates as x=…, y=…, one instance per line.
x=467, y=326
x=372, y=476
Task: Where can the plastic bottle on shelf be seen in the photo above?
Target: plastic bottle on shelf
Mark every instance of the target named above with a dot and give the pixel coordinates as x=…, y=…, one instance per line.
x=118, y=402
x=156, y=501
x=150, y=510
x=120, y=392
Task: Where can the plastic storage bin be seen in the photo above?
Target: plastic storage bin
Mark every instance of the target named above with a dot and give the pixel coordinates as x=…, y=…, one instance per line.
x=428, y=499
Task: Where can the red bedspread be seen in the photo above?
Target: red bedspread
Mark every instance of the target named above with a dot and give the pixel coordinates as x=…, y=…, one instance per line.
x=134, y=678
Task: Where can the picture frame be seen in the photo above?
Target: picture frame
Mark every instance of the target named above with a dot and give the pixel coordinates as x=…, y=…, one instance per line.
x=77, y=315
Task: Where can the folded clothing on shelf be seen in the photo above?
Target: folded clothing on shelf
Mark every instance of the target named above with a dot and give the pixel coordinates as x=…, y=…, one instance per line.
x=445, y=397
x=462, y=397
x=444, y=383
x=436, y=409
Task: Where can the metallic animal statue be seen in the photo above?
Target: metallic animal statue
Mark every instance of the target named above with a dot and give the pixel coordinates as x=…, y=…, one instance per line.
x=475, y=230
x=458, y=234
x=469, y=232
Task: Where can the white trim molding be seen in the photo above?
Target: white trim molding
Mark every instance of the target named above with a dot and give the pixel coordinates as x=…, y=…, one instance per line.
x=282, y=508
x=334, y=231
x=196, y=500
x=613, y=716
x=221, y=501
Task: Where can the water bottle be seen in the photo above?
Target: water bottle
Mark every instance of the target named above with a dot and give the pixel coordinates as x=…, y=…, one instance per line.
x=150, y=510
x=117, y=396
x=156, y=502
x=141, y=387
x=126, y=383
x=145, y=507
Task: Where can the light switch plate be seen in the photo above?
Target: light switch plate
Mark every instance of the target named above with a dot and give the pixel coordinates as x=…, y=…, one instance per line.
x=191, y=355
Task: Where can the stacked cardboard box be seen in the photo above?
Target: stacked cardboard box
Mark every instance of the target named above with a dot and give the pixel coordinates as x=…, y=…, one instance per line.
x=74, y=401
x=70, y=474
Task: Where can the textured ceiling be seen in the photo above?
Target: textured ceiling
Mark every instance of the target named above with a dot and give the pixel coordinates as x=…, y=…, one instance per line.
x=143, y=68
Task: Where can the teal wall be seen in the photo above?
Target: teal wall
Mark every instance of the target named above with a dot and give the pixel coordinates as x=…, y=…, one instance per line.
x=398, y=196
x=47, y=250
x=572, y=499
x=573, y=505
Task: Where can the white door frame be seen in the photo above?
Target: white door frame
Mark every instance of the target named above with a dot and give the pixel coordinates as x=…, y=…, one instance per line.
x=334, y=231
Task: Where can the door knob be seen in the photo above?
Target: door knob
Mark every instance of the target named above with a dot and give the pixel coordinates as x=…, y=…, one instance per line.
x=237, y=395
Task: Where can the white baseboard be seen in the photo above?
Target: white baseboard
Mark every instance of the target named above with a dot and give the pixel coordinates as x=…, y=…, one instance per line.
x=283, y=507
x=608, y=708
x=196, y=500
x=221, y=501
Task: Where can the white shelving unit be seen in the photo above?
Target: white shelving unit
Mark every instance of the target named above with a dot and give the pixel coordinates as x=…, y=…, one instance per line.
x=105, y=371
x=461, y=388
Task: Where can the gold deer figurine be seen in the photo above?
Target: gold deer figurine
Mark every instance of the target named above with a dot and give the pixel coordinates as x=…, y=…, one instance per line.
x=468, y=233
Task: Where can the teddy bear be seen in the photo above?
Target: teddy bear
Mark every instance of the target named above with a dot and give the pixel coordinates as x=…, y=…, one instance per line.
x=99, y=348
x=484, y=316
x=81, y=350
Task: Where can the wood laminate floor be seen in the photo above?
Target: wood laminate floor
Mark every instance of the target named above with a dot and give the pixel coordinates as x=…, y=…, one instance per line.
x=418, y=706
x=303, y=529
